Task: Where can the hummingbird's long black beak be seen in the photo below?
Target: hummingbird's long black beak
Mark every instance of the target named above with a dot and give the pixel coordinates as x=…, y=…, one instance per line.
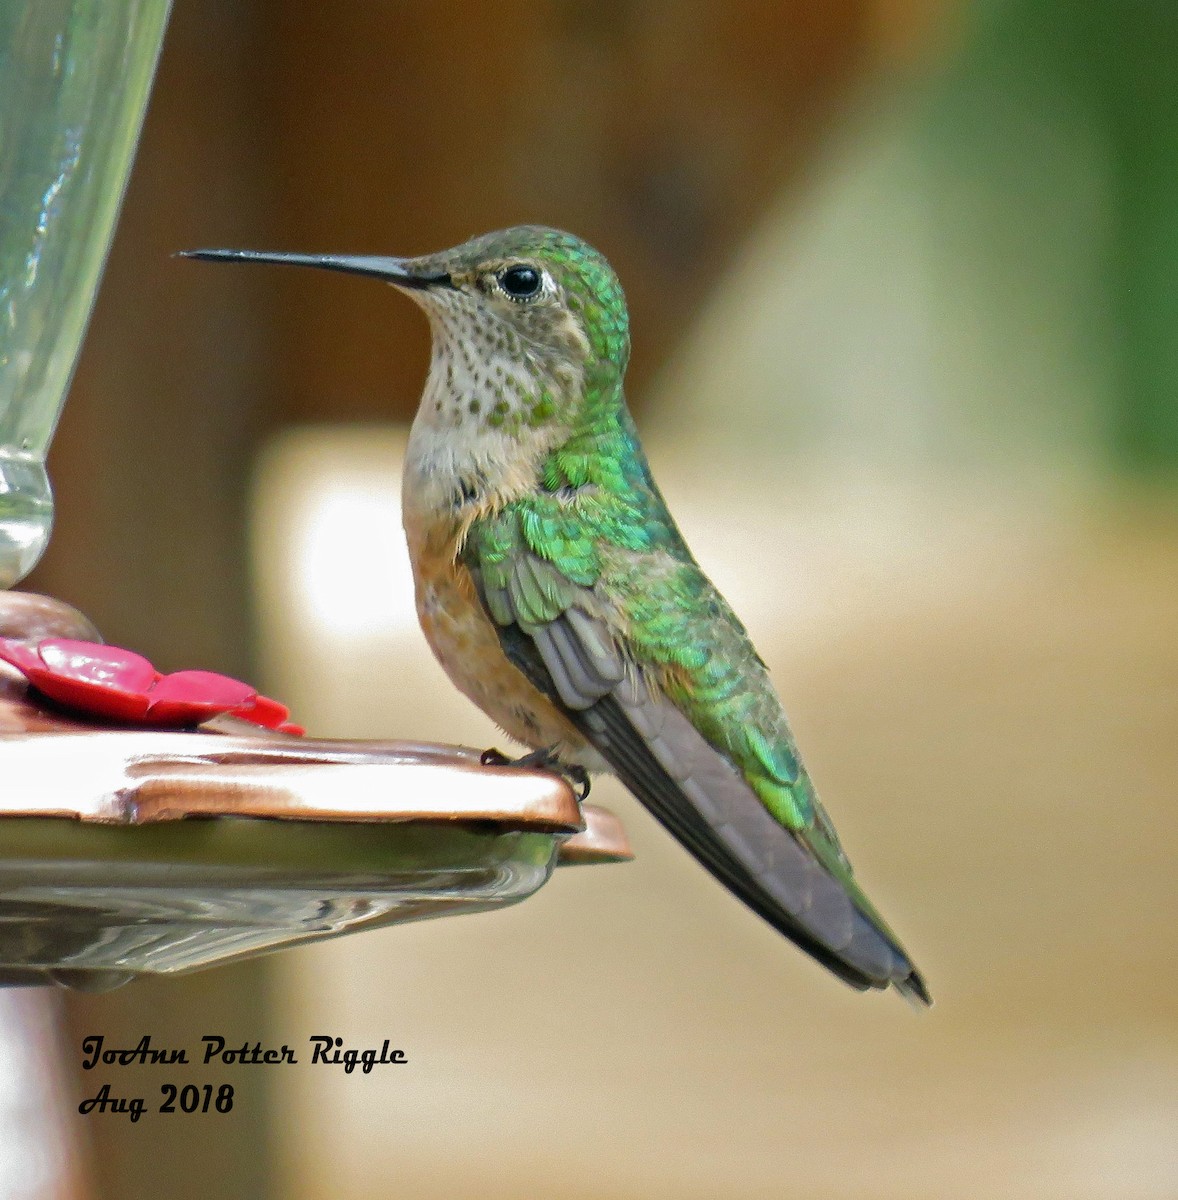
x=398, y=271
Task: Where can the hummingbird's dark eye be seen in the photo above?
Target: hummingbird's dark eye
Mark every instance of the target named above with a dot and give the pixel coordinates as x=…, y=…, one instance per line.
x=521, y=282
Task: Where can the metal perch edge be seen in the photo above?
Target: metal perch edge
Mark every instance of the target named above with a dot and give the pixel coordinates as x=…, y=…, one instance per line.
x=130, y=851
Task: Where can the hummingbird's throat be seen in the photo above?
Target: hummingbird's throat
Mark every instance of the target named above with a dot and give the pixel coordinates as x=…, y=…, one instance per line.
x=483, y=376
x=493, y=409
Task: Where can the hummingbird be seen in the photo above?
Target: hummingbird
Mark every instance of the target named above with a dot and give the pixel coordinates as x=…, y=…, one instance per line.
x=558, y=594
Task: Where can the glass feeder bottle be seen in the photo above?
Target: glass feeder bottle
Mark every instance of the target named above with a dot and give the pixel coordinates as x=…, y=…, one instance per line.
x=74, y=81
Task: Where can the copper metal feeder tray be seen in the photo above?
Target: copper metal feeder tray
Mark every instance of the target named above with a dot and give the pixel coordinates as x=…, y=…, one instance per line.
x=128, y=852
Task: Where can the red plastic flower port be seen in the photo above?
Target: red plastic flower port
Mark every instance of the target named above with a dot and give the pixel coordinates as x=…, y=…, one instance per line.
x=106, y=681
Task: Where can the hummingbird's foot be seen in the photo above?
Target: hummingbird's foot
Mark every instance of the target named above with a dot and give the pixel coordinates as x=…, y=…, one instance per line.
x=546, y=760
x=576, y=774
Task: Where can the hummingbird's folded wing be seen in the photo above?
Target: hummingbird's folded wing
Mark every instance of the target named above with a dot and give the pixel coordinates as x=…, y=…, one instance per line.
x=547, y=630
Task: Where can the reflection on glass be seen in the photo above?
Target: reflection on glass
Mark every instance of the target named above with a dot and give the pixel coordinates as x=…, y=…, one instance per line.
x=74, y=81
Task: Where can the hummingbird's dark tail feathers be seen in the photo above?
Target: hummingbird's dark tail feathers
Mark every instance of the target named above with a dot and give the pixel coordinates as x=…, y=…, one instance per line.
x=913, y=990
x=719, y=819
x=701, y=798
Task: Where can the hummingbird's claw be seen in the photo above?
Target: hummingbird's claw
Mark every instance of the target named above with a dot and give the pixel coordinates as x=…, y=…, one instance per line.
x=546, y=760
x=578, y=777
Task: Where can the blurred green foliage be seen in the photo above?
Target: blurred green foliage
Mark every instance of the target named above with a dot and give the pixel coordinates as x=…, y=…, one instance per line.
x=1107, y=70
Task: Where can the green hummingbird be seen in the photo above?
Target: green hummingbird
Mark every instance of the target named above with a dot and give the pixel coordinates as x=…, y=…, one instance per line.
x=558, y=594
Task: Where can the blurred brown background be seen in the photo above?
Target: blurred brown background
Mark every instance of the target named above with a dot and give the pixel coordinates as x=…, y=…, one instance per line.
x=904, y=287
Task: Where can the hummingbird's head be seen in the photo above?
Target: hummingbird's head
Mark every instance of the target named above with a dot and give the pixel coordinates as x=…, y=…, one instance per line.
x=520, y=318
x=545, y=291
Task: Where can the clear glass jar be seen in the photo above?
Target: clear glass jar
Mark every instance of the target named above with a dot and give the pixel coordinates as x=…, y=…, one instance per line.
x=74, y=80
